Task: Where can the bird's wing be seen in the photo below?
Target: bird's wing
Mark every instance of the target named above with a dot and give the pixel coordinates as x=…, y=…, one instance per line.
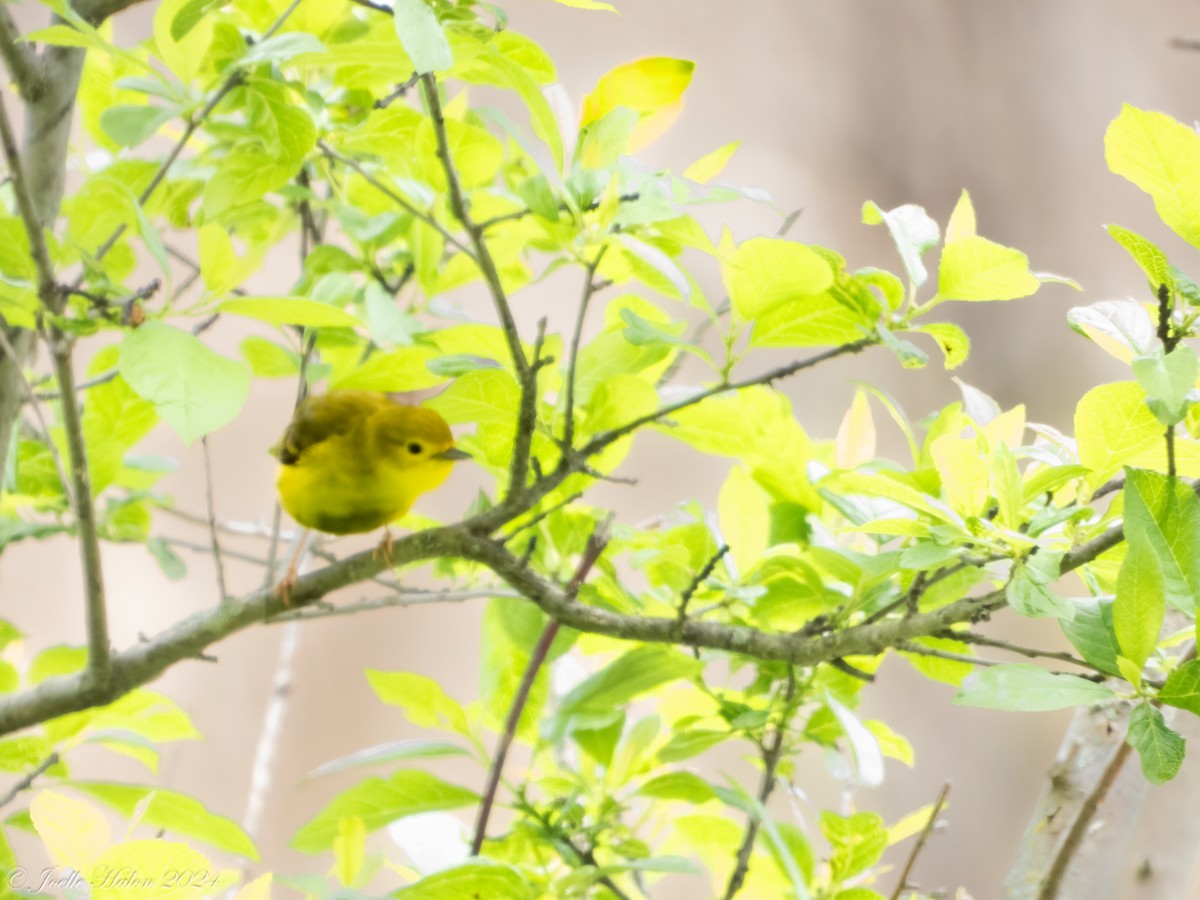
x=321, y=418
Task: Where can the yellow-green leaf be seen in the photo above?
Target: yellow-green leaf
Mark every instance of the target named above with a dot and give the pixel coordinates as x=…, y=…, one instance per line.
x=962, y=220
x=74, y=831
x=765, y=272
x=1162, y=157
x=644, y=85
x=975, y=268
x=291, y=311
x=710, y=165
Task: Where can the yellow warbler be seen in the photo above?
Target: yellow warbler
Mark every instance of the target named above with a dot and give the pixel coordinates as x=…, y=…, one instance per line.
x=353, y=461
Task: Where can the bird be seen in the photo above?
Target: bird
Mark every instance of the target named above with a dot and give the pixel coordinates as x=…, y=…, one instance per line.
x=353, y=461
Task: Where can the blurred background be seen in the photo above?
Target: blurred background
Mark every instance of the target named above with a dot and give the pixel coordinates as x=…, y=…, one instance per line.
x=835, y=103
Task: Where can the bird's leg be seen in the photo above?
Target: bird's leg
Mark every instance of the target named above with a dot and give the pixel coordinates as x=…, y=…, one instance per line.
x=283, y=590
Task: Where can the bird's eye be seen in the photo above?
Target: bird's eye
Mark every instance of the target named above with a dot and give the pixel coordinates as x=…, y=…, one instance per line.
x=414, y=448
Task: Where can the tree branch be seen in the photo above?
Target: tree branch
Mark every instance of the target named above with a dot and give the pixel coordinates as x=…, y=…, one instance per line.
x=458, y=205
x=920, y=844
x=771, y=753
x=594, y=548
x=399, y=199
x=600, y=441
x=589, y=288
x=19, y=57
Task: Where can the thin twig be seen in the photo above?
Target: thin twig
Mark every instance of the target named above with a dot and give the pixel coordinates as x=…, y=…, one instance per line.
x=231, y=81
x=32, y=399
x=722, y=309
x=589, y=288
x=1083, y=821
x=399, y=199
x=595, y=546
x=686, y=597
x=600, y=441
x=26, y=782
x=103, y=378
x=47, y=288
x=398, y=599
x=920, y=844
x=970, y=637
x=771, y=753
x=458, y=205
x=585, y=856
x=212, y=521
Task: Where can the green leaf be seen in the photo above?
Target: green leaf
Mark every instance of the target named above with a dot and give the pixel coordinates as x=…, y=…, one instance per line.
x=422, y=36
x=1168, y=382
x=913, y=232
x=1028, y=688
x=174, y=812
x=975, y=268
x=1162, y=157
x=422, y=699
x=195, y=390
x=282, y=47
x=630, y=675
x=1145, y=253
x=390, y=752
x=1160, y=748
x=685, y=786
x=189, y=16
x=686, y=744
x=268, y=359
x=1162, y=514
x=1114, y=428
x=742, y=507
x=290, y=311
x=765, y=272
x=485, y=396
x=1091, y=633
x=858, y=841
x=377, y=802
x=1028, y=591
x=472, y=881
x=405, y=369
x=951, y=340
x=1183, y=687
x=1139, y=608
x=129, y=125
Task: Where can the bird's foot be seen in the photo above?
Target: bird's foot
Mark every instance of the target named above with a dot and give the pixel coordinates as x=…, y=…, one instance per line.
x=384, y=550
x=286, y=585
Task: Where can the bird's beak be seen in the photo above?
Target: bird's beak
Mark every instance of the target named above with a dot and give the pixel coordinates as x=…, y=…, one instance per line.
x=452, y=454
